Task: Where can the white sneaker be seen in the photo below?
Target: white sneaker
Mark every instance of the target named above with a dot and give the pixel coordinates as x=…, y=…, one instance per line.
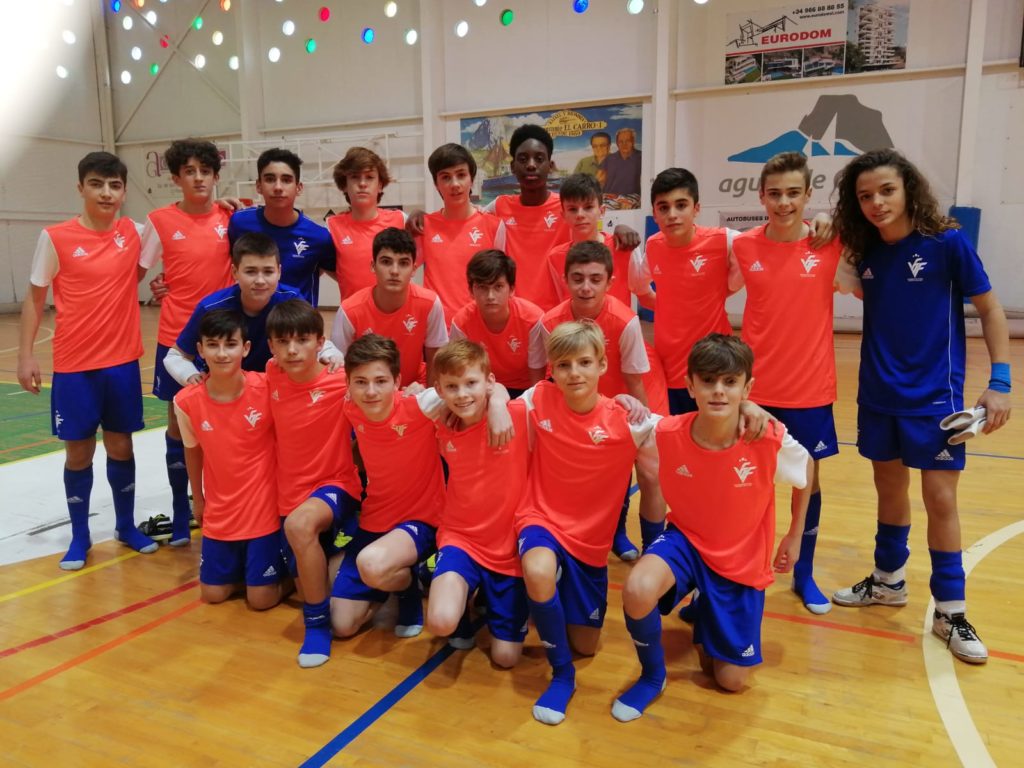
x=961, y=638
x=872, y=592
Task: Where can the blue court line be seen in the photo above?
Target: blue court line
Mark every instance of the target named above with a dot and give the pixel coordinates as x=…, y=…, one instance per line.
x=395, y=695
x=378, y=710
x=969, y=453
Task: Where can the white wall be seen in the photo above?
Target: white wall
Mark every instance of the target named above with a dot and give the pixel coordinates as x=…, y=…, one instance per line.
x=404, y=100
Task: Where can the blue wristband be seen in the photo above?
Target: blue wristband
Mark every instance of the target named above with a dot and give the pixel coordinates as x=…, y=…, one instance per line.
x=999, y=379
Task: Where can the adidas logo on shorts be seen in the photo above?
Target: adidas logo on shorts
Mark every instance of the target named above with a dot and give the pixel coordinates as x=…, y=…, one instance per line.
x=820, y=446
x=546, y=644
x=944, y=455
x=595, y=615
x=332, y=496
x=520, y=545
x=271, y=571
x=638, y=644
x=436, y=239
x=176, y=465
x=756, y=267
x=748, y=652
x=177, y=235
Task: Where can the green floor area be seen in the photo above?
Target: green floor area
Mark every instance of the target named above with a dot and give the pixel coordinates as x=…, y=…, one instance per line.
x=25, y=422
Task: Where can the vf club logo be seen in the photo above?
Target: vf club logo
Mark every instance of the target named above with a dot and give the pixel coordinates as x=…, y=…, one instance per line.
x=743, y=470
x=915, y=267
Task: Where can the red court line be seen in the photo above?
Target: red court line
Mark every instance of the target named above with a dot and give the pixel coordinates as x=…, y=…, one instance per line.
x=97, y=651
x=899, y=636
x=1007, y=656
x=44, y=639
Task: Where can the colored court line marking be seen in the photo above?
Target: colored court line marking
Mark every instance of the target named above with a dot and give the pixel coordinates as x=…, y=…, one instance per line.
x=378, y=710
x=97, y=651
x=939, y=665
x=45, y=639
x=885, y=634
x=67, y=577
x=36, y=444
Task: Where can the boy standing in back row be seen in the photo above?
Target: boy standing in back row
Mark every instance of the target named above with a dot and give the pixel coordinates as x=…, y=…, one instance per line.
x=92, y=261
x=190, y=237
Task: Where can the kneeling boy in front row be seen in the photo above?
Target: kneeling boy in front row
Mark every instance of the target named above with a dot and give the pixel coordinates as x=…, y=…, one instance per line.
x=721, y=497
x=228, y=434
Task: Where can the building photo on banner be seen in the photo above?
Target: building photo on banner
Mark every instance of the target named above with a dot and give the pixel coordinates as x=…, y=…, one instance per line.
x=816, y=40
x=556, y=383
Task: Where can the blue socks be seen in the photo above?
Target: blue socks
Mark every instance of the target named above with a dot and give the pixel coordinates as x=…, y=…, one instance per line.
x=650, y=531
x=78, y=488
x=803, y=578
x=646, y=634
x=121, y=476
x=177, y=477
x=948, y=581
x=891, y=550
x=316, y=645
x=621, y=545
x=550, y=620
x=410, y=609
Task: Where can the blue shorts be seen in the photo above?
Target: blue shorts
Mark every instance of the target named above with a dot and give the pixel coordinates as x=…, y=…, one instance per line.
x=505, y=596
x=349, y=584
x=257, y=562
x=916, y=440
x=164, y=385
x=813, y=428
x=83, y=401
x=582, y=588
x=728, y=621
x=680, y=402
x=345, y=511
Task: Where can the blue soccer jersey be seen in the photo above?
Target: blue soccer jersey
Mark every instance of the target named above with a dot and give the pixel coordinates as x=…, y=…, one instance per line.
x=913, y=352
x=255, y=326
x=305, y=246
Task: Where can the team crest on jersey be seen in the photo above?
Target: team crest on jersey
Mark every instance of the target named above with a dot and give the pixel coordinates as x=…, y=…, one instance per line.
x=545, y=424
x=743, y=470
x=698, y=262
x=410, y=323
x=177, y=235
x=437, y=239
x=317, y=395
x=514, y=344
x=810, y=261
x=347, y=240
x=597, y=435
x=475, y=234
x=79, y=253
x=205, y=426
x=550, y=220
x=253, y=416
x=301, y=246
x=221, y=230
x=119, y=240
x=683, y=471
x=915, y=269
x=400, y=429
x=450, y=447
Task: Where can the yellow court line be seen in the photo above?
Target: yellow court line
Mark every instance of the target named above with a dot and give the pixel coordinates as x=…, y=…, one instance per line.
x=67, y=577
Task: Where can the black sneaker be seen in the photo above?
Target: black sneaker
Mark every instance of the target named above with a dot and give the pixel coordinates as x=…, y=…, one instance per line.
x=158, y=528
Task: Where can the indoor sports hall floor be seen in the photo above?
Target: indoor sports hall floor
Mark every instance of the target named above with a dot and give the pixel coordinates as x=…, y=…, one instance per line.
x=119, y=664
